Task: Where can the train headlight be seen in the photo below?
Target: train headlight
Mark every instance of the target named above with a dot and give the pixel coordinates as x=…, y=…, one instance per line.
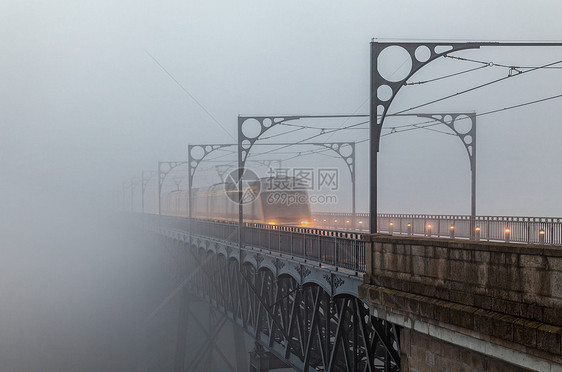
x=271, y=223
x=304, y=222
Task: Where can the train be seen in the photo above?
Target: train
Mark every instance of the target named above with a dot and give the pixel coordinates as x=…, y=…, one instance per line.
x=262, y=204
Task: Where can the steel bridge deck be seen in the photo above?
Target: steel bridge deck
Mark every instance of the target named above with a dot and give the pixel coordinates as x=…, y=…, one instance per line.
x=294, y=292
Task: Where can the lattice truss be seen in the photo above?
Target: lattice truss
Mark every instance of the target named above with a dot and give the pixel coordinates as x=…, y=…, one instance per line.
x=301, y=325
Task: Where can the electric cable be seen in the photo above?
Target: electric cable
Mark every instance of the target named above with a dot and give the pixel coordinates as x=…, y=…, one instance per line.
x=473, y=88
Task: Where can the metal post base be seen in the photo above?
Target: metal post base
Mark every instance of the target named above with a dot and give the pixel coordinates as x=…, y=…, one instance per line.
x=263, y=361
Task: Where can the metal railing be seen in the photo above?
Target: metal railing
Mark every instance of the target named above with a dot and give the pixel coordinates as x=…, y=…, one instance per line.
x=530, y=230
x=340, y=249
x=340, y=244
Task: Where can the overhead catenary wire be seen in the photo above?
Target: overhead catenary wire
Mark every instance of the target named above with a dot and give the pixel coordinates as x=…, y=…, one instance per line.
x=409, y=127
x=495, y=64
x=323, y=128
x=473, y=88
x=446, y=76
x=281, y=134
x=323, y=131
x=293, y=152
x=189, y=94
x=393, y=130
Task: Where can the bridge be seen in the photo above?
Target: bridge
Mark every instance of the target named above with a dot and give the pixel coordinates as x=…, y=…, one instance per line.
x=336, y=300
x=346, y=292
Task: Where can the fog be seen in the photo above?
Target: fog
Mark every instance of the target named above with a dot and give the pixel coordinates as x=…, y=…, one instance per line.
x=94, y=92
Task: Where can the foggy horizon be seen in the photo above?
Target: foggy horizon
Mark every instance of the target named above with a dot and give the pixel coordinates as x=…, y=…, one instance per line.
x=94, y=93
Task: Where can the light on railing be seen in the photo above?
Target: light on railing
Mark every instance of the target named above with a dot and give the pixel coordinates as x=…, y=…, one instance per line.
x=361, y=222
x=347, y=221
x=304, y=223
x=452, y=231
x=477, y=233
x=409, y=229
x=391, y=227
x=542, y=233
x=271, y=223
x=336, y=221
x=507, y=233
x=428, y=230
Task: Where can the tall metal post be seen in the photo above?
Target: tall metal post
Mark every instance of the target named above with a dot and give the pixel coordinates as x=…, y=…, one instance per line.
x=164, y=168
x=245, y=143
x=192, y=164
x=146, y=176
x=133, y=185
x=468, y=139
x=374, y=135
x=160, y=180
x=383, y=90
x=241, y=161
x=336, y=147
x=473, y=194
x=205, y=149
x=350, y=162
x=353, y=190
x=124, y=196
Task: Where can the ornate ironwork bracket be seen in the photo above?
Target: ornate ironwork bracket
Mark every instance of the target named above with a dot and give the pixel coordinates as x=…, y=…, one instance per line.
x=196, y=154
x=385, y=88
x=250, y=128
x=164, y=168
x=146, y=176
x=348, y=156
x=467, y=135
x=133, y=183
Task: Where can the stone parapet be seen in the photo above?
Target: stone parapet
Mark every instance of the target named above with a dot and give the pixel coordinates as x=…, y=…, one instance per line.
x=509, y=294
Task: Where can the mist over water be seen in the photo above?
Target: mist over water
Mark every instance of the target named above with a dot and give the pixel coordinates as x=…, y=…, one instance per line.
x=75, y=287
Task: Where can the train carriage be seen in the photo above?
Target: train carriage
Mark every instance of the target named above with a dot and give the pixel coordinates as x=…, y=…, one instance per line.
x=261, y=205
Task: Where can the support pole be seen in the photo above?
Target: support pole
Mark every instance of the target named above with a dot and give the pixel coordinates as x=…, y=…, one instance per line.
x=374, y=131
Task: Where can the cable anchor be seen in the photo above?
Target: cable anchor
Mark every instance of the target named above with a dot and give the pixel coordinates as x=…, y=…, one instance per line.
x=513, y=70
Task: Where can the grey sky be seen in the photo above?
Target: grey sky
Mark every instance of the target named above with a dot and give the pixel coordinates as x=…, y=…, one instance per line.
x=84, y=107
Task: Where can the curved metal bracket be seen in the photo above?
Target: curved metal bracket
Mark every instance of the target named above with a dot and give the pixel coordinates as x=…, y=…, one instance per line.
x=383, y=90
x=246, y=142
x=420, y=55
x=467, y=137
x=146, y=176
x=164, y=168
x=349, y=159
x=133, y=183
x=338, y=148
x=194, y=161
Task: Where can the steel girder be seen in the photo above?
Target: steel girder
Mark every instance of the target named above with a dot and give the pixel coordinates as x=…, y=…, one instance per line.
x=300, y=324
